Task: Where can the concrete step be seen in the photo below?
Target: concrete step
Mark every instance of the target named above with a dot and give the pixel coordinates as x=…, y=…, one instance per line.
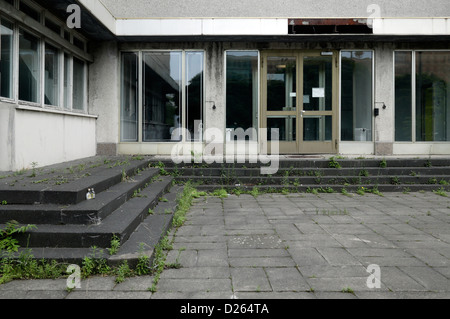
x=66, y=186
x=322, y=162
x=85, y=212
x=323, y=188
x=319, y=180
x=121, y=222
x=314, y=172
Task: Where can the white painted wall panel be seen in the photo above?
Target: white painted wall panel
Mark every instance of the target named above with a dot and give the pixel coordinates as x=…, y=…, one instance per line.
x=47, y=138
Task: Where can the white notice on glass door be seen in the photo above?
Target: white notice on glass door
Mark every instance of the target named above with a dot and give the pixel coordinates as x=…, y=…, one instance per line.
x=318, y=92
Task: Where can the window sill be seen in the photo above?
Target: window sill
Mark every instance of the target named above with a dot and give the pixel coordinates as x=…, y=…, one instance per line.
x=53, y=111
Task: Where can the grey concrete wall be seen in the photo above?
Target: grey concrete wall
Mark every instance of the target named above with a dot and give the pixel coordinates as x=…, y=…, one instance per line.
x=104, y=94
x=274, y=8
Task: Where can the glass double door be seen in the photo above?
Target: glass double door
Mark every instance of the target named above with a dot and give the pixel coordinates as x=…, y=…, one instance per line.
x=299, y=98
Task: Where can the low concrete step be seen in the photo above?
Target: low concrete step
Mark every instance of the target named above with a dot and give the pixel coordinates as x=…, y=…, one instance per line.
x=323, y=188
x=66, y=186
x=316, y=172
x=122, y=222
x=319, y=180
x=286, y=162
x=85, y=212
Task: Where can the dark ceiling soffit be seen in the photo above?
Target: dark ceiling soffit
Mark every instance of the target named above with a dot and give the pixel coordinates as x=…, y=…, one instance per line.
x=332, y=22
x=91, y=27
x=367, y=38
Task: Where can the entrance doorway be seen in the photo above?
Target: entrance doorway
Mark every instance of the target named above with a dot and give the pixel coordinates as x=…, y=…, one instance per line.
x=299, y=97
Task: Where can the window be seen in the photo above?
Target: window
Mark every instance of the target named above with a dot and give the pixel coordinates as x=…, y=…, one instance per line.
x=6, y=59
x=29, y=67
x=432, y=96
x=403, y=96
x=242, y=90
x=38, y=73
x=422, y=97
x=172, y=98
x=356, y=95
x=162, y=95
x=194, y=94
x=129, y=98
x=78, y=85
x=51, y=76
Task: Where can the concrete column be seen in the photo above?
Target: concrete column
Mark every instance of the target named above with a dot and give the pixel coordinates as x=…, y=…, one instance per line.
x=384, y=99
x=104, y=94
x=215, y=99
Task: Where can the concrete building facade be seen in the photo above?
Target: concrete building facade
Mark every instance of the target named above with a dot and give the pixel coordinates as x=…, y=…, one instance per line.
x=139, y=77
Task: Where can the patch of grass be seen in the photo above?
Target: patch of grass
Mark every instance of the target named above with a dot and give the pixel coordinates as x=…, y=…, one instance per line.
x=383, y=163
x=221, y=193
x=361, y=191
x=440, y=192
x=348, y=290
x=364, y=173
x=333, y=163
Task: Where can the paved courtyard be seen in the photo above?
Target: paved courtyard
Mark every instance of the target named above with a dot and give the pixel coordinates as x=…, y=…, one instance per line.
x=292, y=246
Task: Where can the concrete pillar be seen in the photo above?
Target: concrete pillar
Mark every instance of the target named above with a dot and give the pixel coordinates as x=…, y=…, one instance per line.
x=384, y=99
x=215, y=100
x=104, y=94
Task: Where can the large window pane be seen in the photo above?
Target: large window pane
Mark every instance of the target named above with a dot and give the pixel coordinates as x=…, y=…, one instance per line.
x=162, y=92
x=286, y=125
x=281, y=83
x=129, y=98
x=433, y=96
x=317, y=83
x=51, y=75
x=403, y=96
x=242, y=90
x=356, y=96
x=317, y=128
x=78, y=87
x=6, y=59
x=28, y=67
x=194, y=94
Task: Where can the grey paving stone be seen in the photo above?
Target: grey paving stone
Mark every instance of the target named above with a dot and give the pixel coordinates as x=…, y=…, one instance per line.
x=307, y=256
x=255, y=241
x=340, y=284
x=197, y=273
x=428, y=277
x=274, y=295
x=109, y=295
x=194, y=285
x=262, y=262
x=249, y=279
x=259, y=252
x=141, y=283
x=40, y=284
x=98, y=283
x=328, y=271
x=338, y=256
x=286, y=279
x=214, y=257
x=398, y=281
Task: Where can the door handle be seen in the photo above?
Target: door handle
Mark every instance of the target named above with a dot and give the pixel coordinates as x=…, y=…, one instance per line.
x=301, y=113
